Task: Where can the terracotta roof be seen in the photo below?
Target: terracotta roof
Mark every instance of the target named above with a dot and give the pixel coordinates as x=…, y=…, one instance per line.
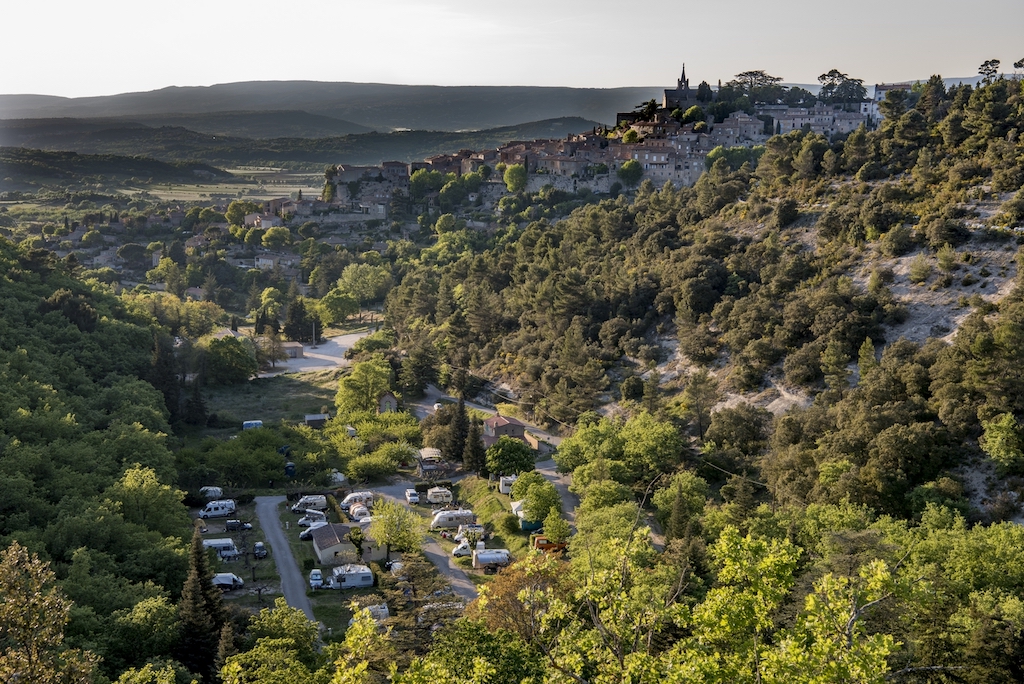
x=498, y=420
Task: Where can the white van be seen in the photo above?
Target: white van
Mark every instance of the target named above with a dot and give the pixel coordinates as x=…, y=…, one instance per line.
x=365, y=498
x=252, y=424
x=225, y=548
x=316, y=502
x=450, y=520
x=218, y=509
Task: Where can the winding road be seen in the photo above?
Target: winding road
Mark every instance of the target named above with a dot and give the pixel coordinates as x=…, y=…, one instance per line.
x=293, y=584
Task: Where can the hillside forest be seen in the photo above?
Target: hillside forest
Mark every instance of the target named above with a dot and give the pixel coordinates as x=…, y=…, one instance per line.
x=715, y=540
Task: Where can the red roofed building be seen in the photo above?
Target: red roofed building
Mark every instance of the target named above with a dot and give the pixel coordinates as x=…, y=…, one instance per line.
x=498, y=425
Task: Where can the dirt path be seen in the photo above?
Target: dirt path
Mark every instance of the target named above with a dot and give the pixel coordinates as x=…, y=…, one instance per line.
x=293, y=584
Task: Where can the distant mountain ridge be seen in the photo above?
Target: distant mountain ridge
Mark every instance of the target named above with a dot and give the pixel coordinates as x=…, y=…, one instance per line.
x=176, y=144
x=373, y=105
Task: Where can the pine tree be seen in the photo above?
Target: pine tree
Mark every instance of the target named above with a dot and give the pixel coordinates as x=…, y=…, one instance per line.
x=474, y=457
x=677, y=519
x=866, y=358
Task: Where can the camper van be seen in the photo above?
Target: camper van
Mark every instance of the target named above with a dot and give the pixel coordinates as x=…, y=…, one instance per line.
x=311, y=517
x=450, y=520
x=317, y=502
x=225, y=548
x=439, y=495
x=252, y=424
x=365, y=498
x=505, y=483
x=350, y=576
x=487, y=557
x=226, y=581
x=218, y=509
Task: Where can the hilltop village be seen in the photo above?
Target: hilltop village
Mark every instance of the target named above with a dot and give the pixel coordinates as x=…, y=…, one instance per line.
x=670, y=140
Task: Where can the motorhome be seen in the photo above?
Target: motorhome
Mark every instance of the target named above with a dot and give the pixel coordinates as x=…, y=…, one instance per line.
x=505, y=483
x=365, y=498
x=317, y=502
x=450, y=520
x=350, y=576
x=218, y=509
x=225, y=548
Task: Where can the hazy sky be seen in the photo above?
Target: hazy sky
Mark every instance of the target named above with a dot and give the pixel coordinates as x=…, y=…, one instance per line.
x=111, y=46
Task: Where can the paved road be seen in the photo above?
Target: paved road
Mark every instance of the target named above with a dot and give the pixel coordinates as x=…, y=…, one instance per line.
x=293, y=584
x=561, y=481
x=445, y=564
x=425, y=406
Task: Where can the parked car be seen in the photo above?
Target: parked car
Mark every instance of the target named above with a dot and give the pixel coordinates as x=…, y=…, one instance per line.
x=235, y=525
x=307, y=534
x=259, y=550
x=316, y=579
x=412, y=496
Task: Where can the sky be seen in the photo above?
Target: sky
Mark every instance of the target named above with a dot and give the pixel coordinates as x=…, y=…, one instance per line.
x=102, y=47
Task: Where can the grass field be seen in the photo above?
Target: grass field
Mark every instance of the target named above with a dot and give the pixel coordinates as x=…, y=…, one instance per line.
x=272, y=400
x=490, y=508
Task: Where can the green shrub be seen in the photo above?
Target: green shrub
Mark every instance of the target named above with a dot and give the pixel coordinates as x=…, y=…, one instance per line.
x=510, y=524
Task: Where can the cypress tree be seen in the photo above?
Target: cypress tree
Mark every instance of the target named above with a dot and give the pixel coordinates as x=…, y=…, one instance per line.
x=459, y=431
x=162, y=374
x=474, y=457
x=195, y=407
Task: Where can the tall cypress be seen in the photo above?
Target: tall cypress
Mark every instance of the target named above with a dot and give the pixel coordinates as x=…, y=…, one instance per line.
x=163, y=375
x=474, y=457
x=459, y=431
